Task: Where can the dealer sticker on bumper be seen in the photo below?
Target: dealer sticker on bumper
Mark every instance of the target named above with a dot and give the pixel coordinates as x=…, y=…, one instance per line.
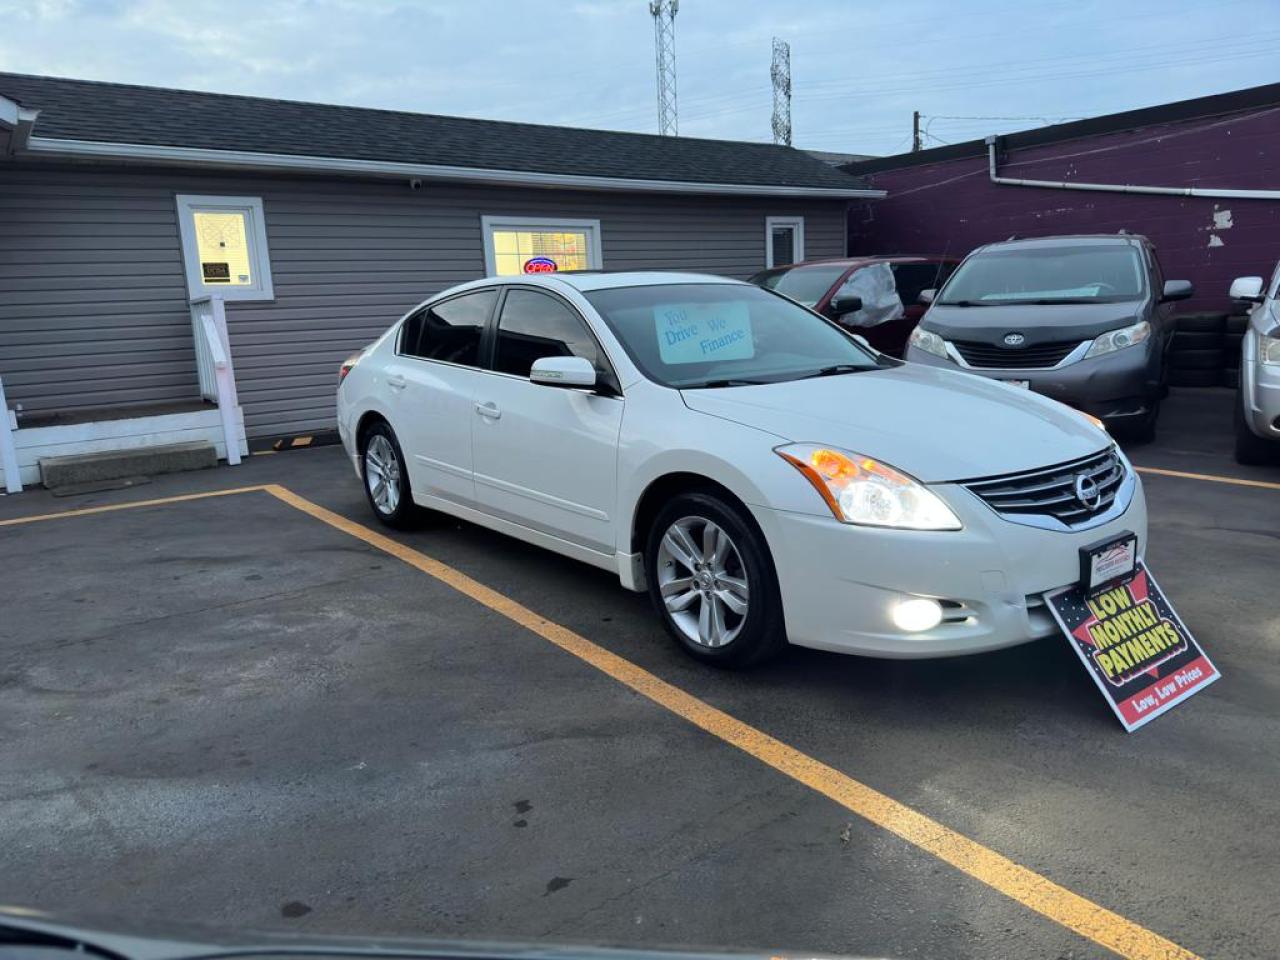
x=1138, y=651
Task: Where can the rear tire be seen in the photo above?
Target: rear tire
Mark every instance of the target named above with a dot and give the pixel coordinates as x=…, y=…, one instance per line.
x=1251, y=449
x=386, y=479
x=712, y=582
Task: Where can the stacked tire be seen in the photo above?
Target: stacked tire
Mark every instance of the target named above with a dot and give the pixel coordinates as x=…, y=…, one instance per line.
x=1200, y=354
x=1237, y=324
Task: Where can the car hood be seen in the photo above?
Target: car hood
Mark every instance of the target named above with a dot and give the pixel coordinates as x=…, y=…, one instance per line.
x=935, y=424
x=1038, y=323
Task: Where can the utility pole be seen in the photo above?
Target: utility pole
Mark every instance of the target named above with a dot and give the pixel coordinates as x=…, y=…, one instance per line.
x=664, y=39
x=780, y=73
x=915, y=131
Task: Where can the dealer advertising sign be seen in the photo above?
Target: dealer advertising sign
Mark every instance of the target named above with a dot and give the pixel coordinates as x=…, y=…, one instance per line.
x=1139, y=653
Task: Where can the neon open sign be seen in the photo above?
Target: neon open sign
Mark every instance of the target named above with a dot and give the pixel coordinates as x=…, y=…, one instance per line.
x=540, y=265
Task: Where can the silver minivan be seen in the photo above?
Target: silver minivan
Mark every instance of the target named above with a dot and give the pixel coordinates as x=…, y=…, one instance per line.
x=1257, y=416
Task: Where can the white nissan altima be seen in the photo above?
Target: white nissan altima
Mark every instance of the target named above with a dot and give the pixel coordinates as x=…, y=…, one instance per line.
x=764, y=475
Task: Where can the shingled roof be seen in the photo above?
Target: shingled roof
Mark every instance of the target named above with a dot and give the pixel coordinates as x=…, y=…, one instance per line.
x=112, y=113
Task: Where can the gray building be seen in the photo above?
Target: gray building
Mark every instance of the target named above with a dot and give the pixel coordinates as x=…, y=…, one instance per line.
x=124, y=209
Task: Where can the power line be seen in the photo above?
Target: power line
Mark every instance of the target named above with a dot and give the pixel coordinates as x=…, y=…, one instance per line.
x=938, y=116
x=1167, y=53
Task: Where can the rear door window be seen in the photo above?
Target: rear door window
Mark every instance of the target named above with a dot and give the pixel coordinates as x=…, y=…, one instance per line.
x=450, y=331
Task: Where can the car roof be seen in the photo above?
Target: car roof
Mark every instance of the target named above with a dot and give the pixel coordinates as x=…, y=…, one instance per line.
x=1071, y=239
x=600, y=280
x=863, y=261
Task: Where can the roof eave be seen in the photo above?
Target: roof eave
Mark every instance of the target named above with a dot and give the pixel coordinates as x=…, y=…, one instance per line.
x=19, y=120
x=54, y=147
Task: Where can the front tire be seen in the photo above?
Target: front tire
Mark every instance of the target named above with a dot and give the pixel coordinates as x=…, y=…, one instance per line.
x=386, y=480
x=1144, y=431
x=712, y=582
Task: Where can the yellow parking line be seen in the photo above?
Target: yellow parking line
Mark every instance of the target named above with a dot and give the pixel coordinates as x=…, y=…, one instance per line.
x=131, y=504
x=1265, y=484
x=1109, y=929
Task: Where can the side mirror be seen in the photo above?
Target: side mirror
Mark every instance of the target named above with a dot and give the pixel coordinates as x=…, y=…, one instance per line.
x=846, y=304
x=926, y=296
x=1248, y=289
x=574, y=372
x=1176, y=290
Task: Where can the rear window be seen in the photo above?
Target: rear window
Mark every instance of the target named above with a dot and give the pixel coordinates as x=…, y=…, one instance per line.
x=1069, y=274
x=806, y=285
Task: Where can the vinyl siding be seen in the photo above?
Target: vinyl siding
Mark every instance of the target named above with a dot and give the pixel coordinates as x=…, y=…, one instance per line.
x=93, y=300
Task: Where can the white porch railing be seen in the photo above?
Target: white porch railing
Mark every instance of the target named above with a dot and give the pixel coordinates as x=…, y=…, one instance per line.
x=213, y=365
x=8, y=453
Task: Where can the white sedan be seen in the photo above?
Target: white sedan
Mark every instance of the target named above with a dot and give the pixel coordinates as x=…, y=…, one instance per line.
x=763, y=474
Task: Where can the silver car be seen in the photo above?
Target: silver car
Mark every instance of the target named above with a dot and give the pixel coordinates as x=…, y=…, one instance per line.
x=1257, y=416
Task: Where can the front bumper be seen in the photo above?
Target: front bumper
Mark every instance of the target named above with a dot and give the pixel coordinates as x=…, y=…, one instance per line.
x=1260, y=386
x=1114, y=387
x=839, y=582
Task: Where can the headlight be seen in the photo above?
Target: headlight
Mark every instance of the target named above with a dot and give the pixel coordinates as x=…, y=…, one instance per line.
x=860, y=490
x=1269, y=349
x=928, y=342
x=1115, y=340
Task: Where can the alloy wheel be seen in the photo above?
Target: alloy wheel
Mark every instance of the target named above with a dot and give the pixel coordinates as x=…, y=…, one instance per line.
x=382, y=474
x=703, y=582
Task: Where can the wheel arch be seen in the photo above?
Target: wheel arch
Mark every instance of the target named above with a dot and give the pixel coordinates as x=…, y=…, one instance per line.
x=365, y=423
x=665, y=486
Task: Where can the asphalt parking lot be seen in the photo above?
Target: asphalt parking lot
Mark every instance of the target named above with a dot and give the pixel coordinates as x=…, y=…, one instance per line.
x=228, y=710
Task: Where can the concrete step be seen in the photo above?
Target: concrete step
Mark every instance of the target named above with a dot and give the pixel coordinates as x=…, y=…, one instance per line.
x=134, y=462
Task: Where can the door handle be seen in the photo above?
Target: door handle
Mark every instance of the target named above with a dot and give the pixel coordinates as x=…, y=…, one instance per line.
x=489, y=410
x=396, y=382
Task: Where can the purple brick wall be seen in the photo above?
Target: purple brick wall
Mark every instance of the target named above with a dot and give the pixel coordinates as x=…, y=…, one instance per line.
x=951, y=207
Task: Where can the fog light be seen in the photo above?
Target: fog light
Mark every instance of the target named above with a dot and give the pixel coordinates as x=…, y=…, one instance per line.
x=916, y=614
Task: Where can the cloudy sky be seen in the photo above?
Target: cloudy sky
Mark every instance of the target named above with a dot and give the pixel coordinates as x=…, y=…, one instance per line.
x=859, y=68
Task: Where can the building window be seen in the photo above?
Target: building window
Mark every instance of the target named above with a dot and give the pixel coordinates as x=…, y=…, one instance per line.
x=783, y=241
x=513, y=247
x=224, y=247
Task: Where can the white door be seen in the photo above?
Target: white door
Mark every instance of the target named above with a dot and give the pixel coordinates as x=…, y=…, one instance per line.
x=433, y=381
x=783, y=241
x=546, y=457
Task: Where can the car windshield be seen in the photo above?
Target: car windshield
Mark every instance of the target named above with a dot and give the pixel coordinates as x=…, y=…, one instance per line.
x=1073, y=274
x=718, y=334
x=805, y=285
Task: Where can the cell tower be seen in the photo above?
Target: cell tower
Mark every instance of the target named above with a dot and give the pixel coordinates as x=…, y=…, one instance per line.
x=780, y=71
x=664, y=39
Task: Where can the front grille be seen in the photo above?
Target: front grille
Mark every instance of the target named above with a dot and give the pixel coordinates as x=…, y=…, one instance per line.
x=1038, y=356
x=1051, y=491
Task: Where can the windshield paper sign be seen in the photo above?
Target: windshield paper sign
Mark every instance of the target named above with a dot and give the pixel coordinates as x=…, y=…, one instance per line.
x=703, y=332
x=1139, y=653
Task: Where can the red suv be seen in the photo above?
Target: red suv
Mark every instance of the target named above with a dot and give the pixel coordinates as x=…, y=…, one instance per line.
x=875, y=297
